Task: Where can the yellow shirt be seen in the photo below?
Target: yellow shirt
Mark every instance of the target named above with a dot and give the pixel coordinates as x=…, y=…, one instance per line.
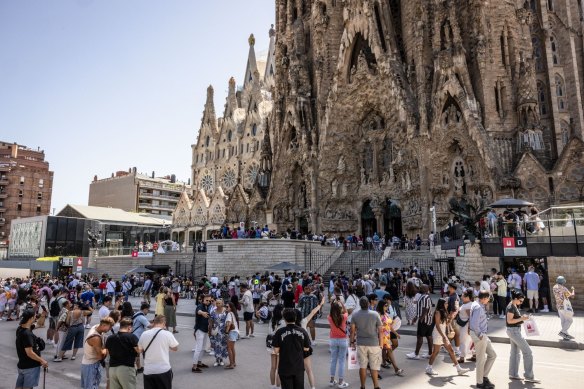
x=159, y=304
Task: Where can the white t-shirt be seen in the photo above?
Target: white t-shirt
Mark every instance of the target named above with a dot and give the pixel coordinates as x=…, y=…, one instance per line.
x=157, y=359
x=231, y=318
x=111, y=287
x=247, y=302
x=103, y=312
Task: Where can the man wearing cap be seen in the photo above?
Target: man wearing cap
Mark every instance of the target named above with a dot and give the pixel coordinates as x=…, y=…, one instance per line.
x=29, y=358
x=564, y=307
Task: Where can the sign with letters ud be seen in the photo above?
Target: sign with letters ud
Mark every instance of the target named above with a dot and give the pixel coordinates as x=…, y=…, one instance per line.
x=515, y=247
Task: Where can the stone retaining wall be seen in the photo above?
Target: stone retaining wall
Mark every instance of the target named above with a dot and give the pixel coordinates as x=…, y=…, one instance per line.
x=247, y=256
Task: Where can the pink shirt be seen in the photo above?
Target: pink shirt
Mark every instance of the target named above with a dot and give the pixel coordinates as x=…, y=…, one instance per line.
x=336, y=332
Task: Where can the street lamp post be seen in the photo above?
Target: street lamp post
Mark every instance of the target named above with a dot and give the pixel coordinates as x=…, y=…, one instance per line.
x=433, y=210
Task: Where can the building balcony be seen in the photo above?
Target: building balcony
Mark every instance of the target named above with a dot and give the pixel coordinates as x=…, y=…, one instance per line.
x=158, y=206
x=177, y=188
x=3, y=195
x=147, y=195
x=2, y=221
x=4, y=180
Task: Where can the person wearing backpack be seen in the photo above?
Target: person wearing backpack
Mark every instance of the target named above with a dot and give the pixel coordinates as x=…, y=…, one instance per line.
x=123, y=350
x=140, y=324
x=54, y=310
x=29, y=354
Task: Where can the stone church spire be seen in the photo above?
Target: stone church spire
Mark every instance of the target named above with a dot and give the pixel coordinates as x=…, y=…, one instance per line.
x=252, y=67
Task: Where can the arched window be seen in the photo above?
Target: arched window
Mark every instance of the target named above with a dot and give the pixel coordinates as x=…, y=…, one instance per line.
x=537, y=54
x=254, y=130
x=551, y=5
x=554, y=46
x=229, y=136
x=207, y=140
x=543, y=108
x=565, y=132
x=533, y=5
x=561, y=93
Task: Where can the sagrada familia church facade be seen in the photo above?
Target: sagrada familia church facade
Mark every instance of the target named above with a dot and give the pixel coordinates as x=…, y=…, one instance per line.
x=366, y=113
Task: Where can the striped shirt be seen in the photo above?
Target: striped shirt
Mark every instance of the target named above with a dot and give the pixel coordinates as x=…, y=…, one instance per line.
x=424, y=302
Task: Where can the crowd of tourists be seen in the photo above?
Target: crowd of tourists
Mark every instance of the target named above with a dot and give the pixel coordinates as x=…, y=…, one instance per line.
x=364, y=312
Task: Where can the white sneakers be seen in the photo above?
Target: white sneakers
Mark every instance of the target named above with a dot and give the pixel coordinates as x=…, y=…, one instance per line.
x=345, y=384
x=430, y=371
x=413, y=356
x=425, y=356
x=501, y=316
x=461, y=370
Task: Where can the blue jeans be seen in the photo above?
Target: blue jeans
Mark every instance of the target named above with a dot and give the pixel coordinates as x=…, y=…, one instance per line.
x=338, y=348
x=519, y=346
x=28, y=378
x=90, y=376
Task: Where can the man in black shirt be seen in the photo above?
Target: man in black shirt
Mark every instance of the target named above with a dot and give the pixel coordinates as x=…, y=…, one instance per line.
x=290, y=343
x=123, y=349
x=288, y=297
x=201, y=334
x=29, y=358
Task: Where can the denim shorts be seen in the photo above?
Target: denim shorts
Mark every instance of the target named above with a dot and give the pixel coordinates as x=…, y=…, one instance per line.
x=90, y=376
x=233, y=335
x=28, y=378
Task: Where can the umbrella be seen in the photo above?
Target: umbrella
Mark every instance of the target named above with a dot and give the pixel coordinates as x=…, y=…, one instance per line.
x=510, y=203
x=285, y=266
x=140, y=270
x=389, y=264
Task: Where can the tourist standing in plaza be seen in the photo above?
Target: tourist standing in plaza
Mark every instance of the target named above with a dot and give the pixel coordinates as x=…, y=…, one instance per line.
x=410, y=303
x=501, y=296
x=29, y=356
x=170, y=309
x=306, y=304
x=248, y=309
x=519, y=345
x=140, y=324
x=387, y=322
x=94, y=353
x=155, y=345
x=147, y=289
x=290, y=343
x=232, y=332
x=104, y=310
x=123, y=349
x=367, y=338
x=88, y=301
x=338, y=343
x=485, y=354
x=564, y=306
x=218, y=336
x=74, y=322
x=201, y=333
x=531, y=283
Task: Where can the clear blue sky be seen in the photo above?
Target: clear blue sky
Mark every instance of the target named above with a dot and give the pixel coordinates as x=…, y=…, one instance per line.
x=104, y=85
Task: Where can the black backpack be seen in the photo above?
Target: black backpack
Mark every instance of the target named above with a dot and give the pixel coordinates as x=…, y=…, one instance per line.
x=54, y=308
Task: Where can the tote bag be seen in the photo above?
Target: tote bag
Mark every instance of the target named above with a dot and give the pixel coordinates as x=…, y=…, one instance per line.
x=530, y=328
x=353, y=360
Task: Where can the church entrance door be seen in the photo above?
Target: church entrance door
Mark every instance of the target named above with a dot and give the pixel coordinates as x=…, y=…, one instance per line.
x=368, y=221
x=392, y=220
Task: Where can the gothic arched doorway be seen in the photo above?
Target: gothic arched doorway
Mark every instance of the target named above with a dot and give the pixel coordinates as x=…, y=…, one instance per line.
x=392, y=220
x=368, y=221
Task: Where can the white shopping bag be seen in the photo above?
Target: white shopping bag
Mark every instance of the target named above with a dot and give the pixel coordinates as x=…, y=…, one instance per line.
x=530, y=327
x=353, y=360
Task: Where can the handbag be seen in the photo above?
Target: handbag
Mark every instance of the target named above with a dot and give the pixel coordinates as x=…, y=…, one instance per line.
x=353, y=360
x=459, y=321
x=269, y=339
x=450, y=332
x=568, y=310
x=530, y=327
x=397, y=323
